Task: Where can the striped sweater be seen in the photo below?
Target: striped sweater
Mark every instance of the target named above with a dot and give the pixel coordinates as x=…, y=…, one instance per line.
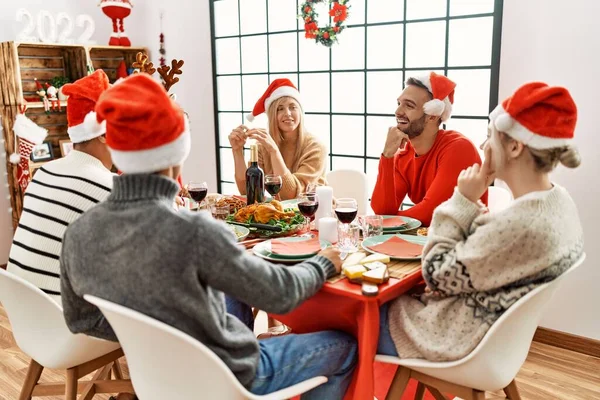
x=58, y=194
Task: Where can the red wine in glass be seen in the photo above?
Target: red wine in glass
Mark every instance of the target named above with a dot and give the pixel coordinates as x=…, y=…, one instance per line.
x=346, y=215
x=273, y=188
x=198, y=194
x=308, y=209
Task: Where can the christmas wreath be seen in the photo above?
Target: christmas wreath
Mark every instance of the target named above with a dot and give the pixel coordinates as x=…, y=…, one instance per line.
x=327, y=35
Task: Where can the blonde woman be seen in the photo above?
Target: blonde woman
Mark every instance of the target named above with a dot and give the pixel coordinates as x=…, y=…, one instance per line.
x=286, y=149
x=477, y=264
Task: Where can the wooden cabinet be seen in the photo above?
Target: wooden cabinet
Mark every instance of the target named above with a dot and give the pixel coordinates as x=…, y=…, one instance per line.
x=20, y=65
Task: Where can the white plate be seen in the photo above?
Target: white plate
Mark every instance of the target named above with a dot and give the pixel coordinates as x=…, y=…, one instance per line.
x=292, y=203
x=263, y=250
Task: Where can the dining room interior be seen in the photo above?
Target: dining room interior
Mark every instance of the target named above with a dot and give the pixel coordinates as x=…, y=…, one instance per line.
x=395, y=179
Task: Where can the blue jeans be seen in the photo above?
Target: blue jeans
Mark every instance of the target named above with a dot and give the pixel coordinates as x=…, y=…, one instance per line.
x=385, y=345
x=287, y=360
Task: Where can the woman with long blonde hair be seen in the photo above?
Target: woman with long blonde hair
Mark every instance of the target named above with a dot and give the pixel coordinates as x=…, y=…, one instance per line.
x=286, y=149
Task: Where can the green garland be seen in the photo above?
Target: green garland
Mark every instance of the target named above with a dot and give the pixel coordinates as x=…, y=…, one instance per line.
x=327, y=35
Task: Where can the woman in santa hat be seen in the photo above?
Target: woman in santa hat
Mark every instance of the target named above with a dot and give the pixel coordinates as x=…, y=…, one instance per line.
x=477, y=264
x=286, y=149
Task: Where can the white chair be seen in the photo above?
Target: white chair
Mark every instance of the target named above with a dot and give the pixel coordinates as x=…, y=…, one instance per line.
x=498, y=198
x=492, y=365
x=350, y=183
x=166, y=363
x=40, y=331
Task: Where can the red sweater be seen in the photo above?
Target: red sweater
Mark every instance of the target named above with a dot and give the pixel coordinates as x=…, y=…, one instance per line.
x=428, y=180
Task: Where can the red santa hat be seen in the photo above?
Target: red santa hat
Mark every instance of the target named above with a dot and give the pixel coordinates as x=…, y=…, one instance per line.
x=278, y=88
x=146, y=131
x=83, y=95
x=538, y=115
x=442, y=90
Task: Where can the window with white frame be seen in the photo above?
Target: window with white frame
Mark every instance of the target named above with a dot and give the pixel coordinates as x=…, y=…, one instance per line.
x=349, y=91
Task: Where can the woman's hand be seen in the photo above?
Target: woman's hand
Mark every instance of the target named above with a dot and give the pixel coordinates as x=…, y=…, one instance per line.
x=263, y=137
x=475, y=180
x=237, y=137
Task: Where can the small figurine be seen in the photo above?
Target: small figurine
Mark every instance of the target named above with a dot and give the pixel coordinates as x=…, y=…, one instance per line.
x=42, y=93
x=117, y=11
x=52, y=94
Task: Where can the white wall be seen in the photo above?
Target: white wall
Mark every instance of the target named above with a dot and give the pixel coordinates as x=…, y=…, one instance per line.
x=187, y=36
x=557, y=42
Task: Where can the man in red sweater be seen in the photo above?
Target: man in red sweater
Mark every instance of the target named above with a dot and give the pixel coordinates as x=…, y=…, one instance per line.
x=420, y=159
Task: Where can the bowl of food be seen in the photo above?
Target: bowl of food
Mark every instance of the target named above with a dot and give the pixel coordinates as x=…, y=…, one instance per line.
x=239, y=231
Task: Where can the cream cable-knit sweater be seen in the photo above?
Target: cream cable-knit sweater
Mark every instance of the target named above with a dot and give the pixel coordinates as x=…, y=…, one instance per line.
x=481, y=264
x=59, y=193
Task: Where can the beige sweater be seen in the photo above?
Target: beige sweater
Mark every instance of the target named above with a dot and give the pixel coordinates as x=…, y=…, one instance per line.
x=309, y=168
x=482, y=264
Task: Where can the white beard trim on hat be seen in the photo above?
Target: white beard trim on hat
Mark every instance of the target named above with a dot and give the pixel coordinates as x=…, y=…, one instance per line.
x=89, y=129
x=504, y=122
x=156, y=159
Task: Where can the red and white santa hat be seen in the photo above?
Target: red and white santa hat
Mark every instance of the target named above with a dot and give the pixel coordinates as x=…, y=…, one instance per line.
x=146, y=131
x=83, y=95
x=442, y=90
x=278, y=88
x=538, y=115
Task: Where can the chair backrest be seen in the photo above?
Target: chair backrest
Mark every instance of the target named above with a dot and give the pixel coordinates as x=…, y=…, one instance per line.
x=495, y=362
x=166, y=363
x=350, y=183
x=39, y=327
x=498, y=198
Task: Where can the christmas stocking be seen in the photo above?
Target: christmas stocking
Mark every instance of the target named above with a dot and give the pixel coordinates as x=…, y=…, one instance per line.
x=29, y=134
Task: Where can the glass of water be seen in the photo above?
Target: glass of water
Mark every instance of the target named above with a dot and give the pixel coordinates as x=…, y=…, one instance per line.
x=372, y=225
x=348, y=238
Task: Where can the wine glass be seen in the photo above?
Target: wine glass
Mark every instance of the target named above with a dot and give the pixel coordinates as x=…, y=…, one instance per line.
x=308, y=203
x=273, y=184
x=346, y=210
x=197, y=191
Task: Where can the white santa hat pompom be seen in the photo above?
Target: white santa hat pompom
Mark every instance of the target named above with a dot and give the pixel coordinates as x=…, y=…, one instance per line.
x=14, y=158
x=92, y=126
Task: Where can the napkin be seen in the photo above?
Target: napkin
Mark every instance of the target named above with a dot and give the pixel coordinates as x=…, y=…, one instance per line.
x=397, y=247
x=393, y=222
x=310, y=246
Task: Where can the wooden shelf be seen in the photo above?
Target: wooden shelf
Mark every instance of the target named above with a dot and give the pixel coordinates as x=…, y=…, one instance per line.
x=40, y=104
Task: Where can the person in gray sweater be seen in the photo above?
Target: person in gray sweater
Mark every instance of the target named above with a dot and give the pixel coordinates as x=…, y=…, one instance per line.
x=136, y=250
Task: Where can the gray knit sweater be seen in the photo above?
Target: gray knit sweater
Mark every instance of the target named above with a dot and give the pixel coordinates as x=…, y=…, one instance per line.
x=137, y=251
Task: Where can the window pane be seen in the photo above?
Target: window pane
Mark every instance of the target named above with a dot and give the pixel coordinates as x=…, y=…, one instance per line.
x=383, y=88
x=466, y=35
x=227, y=123
x=313, y=56
x=384, y=46
x=228, y=56
x=253, y=87
x=227, y=166
x=291, y=77
x=377, y=129
x=357, y=164
x=349, y=53
x=229, y=188
x=426, y=44
x=254, y=54
x=467, y=7
x=356, y=15
x=372, y=170
x=282, y=15
x=348, y=92
x=348, y=135
x=226, y=18
x=384, y=10
x=318, y=126
x=253, y=16
x=315, y=88
x=229, y=92
x=472, y=95
x=419, y=9
x=474, y=129
x=283, y=52
x=420, y=73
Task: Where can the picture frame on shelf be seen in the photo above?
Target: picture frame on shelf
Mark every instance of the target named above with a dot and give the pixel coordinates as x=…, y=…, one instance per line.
x=65, y=147
x=42, y=152
x=33, y=167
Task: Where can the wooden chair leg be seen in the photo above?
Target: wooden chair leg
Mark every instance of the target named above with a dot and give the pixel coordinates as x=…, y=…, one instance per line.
x=420, y=391
x=478, y=395
x=71, y=384
x=436, y=393
x=512, y=392
x=116, y=370
x=398, y=384
x=33, y=376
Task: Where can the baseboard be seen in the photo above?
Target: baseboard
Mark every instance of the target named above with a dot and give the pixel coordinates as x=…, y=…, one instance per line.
x=3, y=266
x=568, y=341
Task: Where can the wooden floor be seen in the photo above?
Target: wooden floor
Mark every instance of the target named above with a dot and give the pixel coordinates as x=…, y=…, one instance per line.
x=549, y=373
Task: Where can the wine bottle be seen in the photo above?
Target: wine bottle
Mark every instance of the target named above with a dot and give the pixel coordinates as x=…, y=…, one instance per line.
x=255, y=179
